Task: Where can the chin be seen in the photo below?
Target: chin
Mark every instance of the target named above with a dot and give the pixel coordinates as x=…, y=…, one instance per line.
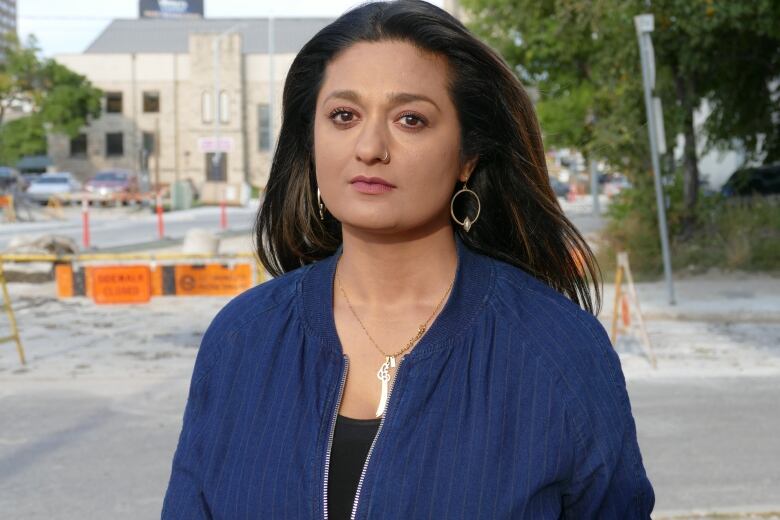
x=377, y=224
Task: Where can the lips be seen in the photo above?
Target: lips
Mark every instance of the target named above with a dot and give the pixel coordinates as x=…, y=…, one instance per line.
x=371, y=180
x=371, y=185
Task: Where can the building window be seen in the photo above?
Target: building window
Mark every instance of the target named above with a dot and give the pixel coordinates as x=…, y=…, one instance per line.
x=78, y=146
x=114, y=102
x=151, y=102
x=115, y=145
x=264, y=126
x=216, y=167
x=224, y=107
x=148, y=143
x=205, y=107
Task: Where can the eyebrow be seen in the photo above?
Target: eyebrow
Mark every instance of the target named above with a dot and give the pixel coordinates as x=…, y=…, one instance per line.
x=395, y=98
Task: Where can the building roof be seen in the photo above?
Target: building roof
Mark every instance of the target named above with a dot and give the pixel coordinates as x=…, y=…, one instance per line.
x=171, y=36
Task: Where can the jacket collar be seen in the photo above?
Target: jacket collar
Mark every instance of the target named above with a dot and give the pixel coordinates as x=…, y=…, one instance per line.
x=474, y=280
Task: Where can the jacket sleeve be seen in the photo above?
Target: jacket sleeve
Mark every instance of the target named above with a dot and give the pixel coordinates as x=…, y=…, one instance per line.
x=184, y=498
x=608, y=478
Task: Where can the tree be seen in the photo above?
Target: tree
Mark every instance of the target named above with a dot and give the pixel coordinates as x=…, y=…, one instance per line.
x=48, y=94
x=582, y=55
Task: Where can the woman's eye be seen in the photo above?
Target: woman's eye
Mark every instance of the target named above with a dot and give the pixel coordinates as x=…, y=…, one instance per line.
x=341, y=116
x=413, y=121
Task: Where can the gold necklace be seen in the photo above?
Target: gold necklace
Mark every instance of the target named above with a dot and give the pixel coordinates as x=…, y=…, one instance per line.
x=384, y=370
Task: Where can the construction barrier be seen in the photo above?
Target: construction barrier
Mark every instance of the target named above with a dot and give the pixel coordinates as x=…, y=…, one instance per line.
x=54, y=207
x=138, y=283
x=7, y=205
x=11, y=319
x=115, y=197
x=136, y=277
x=626, y=305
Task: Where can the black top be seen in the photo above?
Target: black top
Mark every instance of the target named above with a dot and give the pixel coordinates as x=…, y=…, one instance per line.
x=352, y=439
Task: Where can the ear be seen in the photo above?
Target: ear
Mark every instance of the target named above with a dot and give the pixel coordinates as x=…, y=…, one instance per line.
x=468, y=169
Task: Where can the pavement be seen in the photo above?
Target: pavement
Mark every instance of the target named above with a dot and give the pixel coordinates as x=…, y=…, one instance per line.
x=90, y=424
x=129, y=227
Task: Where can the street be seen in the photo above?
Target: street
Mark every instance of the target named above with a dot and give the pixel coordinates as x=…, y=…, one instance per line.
x=124, y=226
x=710, y=444
x=90, y=424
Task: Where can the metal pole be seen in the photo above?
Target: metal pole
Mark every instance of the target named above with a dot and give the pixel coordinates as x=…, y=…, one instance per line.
x=156, y=152
x=271, y=94
x=594, y=186
x=644, y=26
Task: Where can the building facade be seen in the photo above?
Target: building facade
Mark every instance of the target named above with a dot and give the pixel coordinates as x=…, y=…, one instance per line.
x=7, y=23
x=185, y=99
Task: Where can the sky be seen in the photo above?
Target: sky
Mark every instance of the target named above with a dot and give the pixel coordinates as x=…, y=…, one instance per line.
x=69, y=27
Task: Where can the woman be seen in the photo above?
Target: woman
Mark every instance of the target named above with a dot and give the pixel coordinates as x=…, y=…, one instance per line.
x=423, y=351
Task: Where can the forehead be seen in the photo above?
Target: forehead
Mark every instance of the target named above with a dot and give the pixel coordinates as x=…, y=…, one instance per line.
x=375, y=68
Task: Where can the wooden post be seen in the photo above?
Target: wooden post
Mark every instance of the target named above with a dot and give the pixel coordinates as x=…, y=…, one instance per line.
x=11, y=318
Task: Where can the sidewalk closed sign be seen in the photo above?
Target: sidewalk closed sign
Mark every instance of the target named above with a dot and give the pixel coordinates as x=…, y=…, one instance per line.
x=212, y=279
x=121, y=284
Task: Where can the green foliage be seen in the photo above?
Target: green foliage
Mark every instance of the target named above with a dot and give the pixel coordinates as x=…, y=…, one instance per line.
x=583, y=57
x=51, y=95
x=21, y=137
x=732, y=234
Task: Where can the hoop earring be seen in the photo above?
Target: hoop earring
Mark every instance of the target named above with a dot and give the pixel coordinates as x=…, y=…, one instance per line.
x=321, y=206
x=467, y=222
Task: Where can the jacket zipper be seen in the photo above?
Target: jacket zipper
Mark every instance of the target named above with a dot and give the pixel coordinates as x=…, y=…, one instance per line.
x=371, y=449
x=330, y=437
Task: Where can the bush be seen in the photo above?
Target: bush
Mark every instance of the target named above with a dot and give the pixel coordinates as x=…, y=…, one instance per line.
x=729, y=234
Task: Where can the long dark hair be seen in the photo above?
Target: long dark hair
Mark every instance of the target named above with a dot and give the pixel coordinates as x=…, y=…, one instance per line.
x=520, y=221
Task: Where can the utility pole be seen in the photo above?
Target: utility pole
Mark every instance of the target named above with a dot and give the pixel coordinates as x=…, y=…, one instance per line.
x=271, y=82
x=644, y=24
x=594, y=185
x=156, y=152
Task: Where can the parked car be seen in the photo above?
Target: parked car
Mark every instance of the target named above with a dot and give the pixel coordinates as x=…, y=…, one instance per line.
x=615, y=184
x=106, y=184
x=560, y=188
x=50, y=184
x=29, y=178
x=761, y=180
x=10, y=179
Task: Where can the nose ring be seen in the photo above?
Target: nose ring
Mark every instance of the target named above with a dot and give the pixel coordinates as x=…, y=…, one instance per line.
x=386, y=157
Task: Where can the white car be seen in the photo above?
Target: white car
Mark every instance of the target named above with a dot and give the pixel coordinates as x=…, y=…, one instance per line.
x=49, y=184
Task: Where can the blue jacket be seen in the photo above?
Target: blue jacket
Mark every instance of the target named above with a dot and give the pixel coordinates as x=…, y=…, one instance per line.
x=513, y=405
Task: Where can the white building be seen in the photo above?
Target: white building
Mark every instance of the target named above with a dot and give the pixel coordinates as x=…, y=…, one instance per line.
x=7, y=22
x=159, y=78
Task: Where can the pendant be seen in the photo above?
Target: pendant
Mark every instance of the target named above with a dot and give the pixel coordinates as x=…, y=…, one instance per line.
x=467, y=224
x=384, y=376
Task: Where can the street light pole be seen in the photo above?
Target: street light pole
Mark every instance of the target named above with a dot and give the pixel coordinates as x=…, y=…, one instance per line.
x=271, y=50
x=644, y=26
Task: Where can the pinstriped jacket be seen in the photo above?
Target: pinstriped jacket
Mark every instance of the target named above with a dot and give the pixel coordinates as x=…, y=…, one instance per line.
x=513, y=405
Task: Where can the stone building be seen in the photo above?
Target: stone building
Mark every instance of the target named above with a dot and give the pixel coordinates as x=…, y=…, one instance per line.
x=7, y=22
x=179, y=92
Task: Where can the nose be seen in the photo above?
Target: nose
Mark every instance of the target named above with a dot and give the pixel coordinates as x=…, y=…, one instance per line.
x=372, y=142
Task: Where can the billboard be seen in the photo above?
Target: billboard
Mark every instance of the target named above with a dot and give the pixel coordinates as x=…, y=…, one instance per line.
x=170, y=9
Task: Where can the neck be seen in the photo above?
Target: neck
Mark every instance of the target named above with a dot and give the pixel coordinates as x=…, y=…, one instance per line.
x=382, y=272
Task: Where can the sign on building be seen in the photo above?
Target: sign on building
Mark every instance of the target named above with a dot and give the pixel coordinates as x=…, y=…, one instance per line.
x=212, y=144
x=170, y=8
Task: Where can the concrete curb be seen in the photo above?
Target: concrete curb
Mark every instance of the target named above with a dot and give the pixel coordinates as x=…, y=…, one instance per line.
x=723, y=317
x=160, y=244
x=717, y=515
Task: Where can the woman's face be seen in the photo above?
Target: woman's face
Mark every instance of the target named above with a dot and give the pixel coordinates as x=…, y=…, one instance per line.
x=387, y=97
